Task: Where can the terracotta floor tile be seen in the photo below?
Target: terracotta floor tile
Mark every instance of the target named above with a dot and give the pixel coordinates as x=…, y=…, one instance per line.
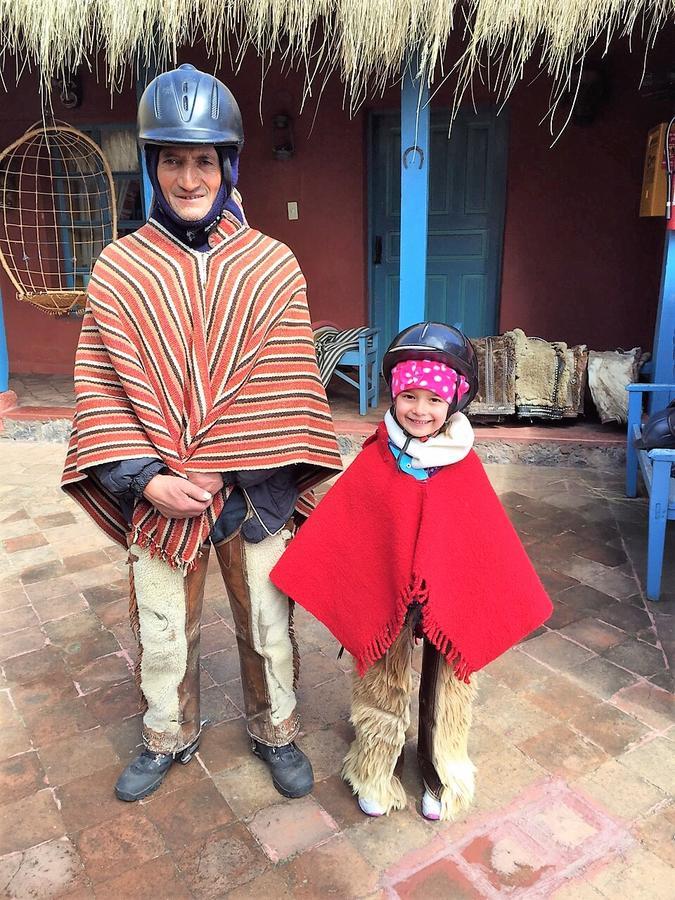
x=29, y=821
x=656, y=834
x=113, y=613
x=55, y=520
x=42, y=572
x=88, y=560
x=248, y=788
x=655, y=762
x=335, y=868
x=59, y=720
x=270, y=884
x=183, y=816
x=156, y=878
x=8, y=712
x=21, y=642
x=625, y=616
x=440, y=879
x=60, y=606
x=620, y=791
x=77, y=756
x=217, y=707
x=14, y=739
x=90, y=799
x=609, y=728
x=638, y=657
x=125, y=737
x=24, y=542
x=383, y=842
x=222, y=861
x=114, y=703
x=602, y=553
x=120, y=844
x=13, y=599
x=586, y=598
x=225, y=746
x=43, y=592
x=601, y=677
x=55, y=687
x=563, y=615
x=99, y=673
x=52, y=869
x=326, y=751
x=556, y=652
x=20, y=776
x=16, y=619
x=223, y=665
x=337, y=798
x=218, y=636
x=291, y=827
x=562, y=697
x=101, y=594
x=510, y=861
x=561, y=751
x=593, y=634
x=34, y=666
x=648, y=703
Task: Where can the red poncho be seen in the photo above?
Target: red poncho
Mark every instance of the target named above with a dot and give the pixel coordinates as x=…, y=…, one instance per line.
x=380, y=540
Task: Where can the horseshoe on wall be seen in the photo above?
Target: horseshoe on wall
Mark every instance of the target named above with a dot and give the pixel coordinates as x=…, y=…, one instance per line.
x=410, y=154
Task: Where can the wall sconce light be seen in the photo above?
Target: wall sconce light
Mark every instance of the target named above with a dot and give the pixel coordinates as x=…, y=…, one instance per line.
x=284, y=148
x=69, y=88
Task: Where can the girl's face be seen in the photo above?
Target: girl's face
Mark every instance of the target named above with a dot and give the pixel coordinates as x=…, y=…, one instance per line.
x=420, y=412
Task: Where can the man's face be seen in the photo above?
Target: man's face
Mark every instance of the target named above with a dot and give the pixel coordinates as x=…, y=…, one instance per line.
x=189, y=177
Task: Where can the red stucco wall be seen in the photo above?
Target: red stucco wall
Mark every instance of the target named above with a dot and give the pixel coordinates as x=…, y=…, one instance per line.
x=578, y=263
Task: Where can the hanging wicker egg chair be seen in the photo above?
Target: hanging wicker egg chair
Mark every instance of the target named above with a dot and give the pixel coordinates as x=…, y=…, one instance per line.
x=57, y=212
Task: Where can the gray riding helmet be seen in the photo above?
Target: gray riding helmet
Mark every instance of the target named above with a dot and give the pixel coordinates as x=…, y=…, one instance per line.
x=186, y=106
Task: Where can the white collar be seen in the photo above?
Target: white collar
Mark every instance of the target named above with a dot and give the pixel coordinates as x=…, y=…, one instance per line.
x=450, y=446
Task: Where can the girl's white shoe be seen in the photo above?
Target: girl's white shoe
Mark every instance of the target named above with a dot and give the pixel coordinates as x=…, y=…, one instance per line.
x=370, y=807
x=431, y=807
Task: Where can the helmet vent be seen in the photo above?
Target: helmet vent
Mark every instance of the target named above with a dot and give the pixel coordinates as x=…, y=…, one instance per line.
x=214, y=101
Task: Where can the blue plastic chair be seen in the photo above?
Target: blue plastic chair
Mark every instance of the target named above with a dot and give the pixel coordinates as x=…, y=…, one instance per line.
x=657, y=473
x=365, y=359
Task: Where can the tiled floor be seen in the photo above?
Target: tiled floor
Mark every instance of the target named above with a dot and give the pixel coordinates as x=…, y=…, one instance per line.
x=574, y=734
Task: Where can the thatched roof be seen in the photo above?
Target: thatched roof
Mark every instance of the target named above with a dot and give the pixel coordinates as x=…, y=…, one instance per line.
x=365, y=41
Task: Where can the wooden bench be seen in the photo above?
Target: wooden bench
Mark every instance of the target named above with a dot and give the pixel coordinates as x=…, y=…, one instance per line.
x=657, y=473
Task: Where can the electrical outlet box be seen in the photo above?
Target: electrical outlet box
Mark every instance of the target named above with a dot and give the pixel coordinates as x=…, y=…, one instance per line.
x=292, y=210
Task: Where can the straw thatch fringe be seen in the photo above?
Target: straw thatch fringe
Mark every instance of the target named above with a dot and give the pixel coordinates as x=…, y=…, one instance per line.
x=367, y=42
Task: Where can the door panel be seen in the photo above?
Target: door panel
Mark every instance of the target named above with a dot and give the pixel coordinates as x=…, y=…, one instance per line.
x=467, y=184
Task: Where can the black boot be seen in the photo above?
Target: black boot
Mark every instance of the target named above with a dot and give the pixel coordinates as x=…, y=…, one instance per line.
x=145, y=773
x=291, y=771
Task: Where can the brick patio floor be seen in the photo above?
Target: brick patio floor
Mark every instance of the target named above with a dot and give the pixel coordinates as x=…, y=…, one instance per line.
x=574, y=734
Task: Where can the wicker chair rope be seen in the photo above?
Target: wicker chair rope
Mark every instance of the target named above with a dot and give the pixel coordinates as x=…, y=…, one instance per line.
x=57, y=212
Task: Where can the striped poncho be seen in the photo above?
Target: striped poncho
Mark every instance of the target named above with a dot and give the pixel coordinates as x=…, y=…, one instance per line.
x=203, y=360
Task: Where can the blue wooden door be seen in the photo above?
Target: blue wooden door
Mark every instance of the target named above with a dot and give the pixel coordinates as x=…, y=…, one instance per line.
x=467, y=187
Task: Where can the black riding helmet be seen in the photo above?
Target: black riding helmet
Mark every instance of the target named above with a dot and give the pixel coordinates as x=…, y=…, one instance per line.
x=440, y=342
x=186, y=106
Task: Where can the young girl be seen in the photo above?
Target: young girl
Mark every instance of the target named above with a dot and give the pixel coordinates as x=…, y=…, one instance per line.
x=412, y=543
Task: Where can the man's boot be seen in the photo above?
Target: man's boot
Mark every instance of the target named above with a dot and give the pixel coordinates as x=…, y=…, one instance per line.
x=145, y=773
x=291, y=771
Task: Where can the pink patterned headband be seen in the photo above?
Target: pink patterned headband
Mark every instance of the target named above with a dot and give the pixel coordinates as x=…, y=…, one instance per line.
x=432, y=376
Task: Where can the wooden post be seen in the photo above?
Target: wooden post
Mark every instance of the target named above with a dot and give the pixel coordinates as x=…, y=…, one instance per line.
x=664, y=333
x=414, y=198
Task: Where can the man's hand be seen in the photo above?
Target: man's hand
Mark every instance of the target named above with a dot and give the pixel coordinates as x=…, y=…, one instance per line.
x=177, y=498
x=210, y=481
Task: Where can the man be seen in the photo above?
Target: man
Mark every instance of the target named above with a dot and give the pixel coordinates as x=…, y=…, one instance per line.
x=200, y=421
